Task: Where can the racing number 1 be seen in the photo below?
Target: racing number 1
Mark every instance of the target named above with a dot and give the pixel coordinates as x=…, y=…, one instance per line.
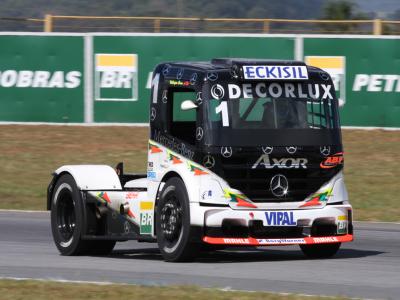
x=223, y=109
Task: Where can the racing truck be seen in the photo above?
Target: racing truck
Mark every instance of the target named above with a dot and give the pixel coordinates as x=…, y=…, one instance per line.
x=241, y=152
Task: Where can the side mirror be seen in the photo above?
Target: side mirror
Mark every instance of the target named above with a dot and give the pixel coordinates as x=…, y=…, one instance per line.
x=188, y=104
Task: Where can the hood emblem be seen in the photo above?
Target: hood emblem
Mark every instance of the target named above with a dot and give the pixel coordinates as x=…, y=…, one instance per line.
x=279, y=185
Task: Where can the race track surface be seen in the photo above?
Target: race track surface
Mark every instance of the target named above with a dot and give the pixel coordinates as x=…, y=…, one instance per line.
x=367, y=268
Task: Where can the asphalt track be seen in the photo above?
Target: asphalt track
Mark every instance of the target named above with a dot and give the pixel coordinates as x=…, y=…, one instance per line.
x=366, y=268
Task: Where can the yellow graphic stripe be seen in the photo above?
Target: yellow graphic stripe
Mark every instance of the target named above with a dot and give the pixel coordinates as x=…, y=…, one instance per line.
x=342, y=218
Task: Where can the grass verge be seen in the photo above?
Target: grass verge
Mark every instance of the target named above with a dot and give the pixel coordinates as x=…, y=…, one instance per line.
x=43, y=290
x=28, y=154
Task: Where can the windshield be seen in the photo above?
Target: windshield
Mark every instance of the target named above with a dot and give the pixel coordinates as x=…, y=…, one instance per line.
x=286, y=114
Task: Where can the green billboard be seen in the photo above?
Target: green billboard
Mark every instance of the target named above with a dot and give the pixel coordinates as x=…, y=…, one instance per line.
x=126, y=62
x=75, y=78
x=370, y=81
x=41, y=78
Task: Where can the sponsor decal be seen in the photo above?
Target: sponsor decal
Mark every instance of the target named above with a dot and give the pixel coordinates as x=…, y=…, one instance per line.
x=377, y=83
x=131, y=195
x=154, y=148
x=273, y=90
x=173, y=144
x=280, y=163
x=174, y=158
x=103, y=196
x=342, y=227
x=150, y=166
x=320, y=240
x=146, y=217
x=342, y=224
x=281, y=241
x=116, y=77
x=240, y=199
x=40, y=79
x=237, y=241
x=151, y=175
x=318, y=198
x=146, y=222
x=196, y=170
x=180, y=83
x=206, y=195
x=275, y=72
x=280, y=218
x=332, y=161
x=336, y=67
x=146, y=205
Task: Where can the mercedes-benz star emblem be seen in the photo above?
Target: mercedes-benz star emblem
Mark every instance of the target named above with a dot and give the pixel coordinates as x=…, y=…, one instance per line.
x=325, y=150
x=291, y=149
x=153, y=114
x=199, y=98
x=267, y=149
x=212, y=76
x=166, y=70
x=226, y=151
x=208, y=161
x=164, y=96
x=199, y=133
x=179, y=74
x=193, y=78
x=279, y=185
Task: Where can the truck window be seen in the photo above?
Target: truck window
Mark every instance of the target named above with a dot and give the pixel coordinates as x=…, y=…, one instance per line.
x=183, y=125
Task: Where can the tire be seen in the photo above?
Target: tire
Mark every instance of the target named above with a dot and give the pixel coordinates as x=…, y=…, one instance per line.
x=320, y=250
x=174, y=236
x=66, y=217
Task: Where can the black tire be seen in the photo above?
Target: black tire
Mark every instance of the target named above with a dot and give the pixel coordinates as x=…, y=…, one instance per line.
x=174, y=236
x=320, y=250
x=66, y=217
x=67, y=221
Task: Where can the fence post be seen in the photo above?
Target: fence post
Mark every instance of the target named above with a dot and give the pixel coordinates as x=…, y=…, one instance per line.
x=377, y=27
x=48, y=23
x=157, y=25
x=266, y=26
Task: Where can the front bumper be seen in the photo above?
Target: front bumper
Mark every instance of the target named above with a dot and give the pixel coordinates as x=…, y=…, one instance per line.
x=226, y=226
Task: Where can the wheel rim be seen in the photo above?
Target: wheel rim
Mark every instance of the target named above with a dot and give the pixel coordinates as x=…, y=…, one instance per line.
x=171, y=219
x=66, y=219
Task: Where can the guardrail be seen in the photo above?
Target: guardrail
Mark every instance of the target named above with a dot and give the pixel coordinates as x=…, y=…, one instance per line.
x=165, y=24
x=59, y=23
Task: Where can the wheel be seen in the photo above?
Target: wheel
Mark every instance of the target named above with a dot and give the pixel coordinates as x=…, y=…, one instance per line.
x=66, y=217
x=173, y=223
x=67, y=221
x=320, y=250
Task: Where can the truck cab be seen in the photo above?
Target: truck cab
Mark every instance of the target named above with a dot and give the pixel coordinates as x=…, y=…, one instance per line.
x=241, y=152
